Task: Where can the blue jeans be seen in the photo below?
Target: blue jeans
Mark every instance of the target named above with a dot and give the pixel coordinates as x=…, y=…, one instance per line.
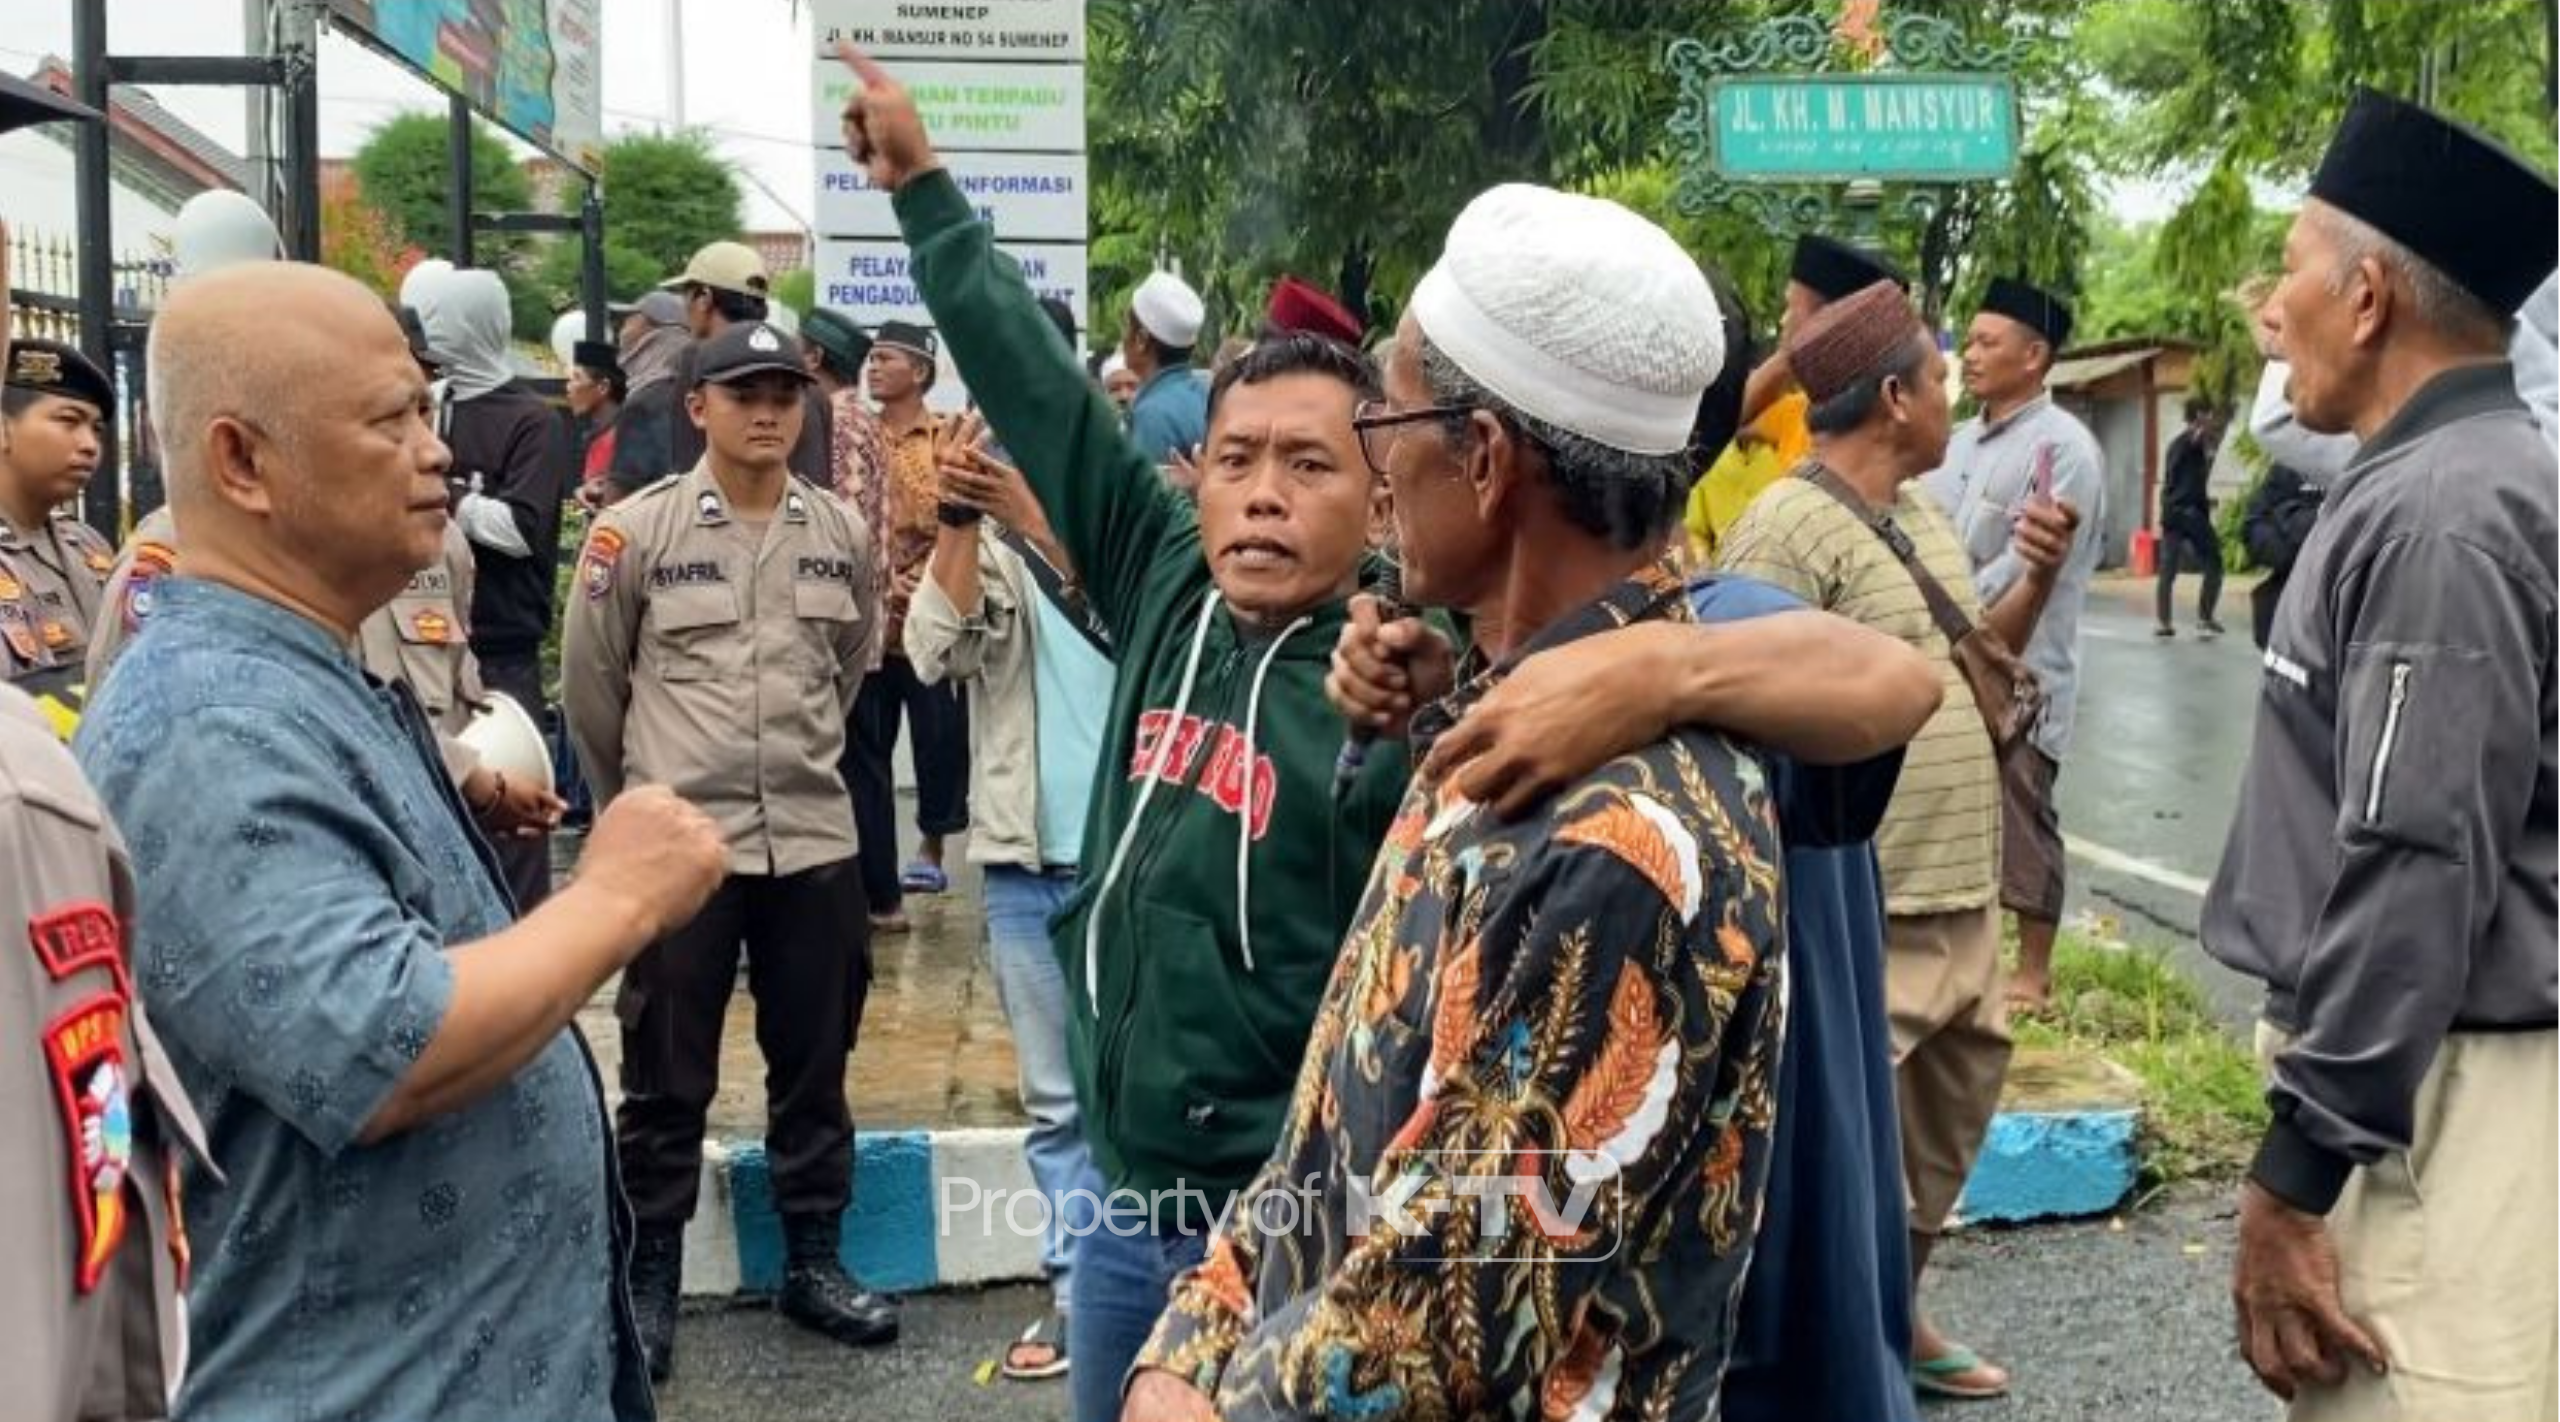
x=1033, y=991
x=1119, y=1293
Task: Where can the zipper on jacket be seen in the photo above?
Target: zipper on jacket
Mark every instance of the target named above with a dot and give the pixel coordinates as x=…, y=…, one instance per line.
x=2382, y=749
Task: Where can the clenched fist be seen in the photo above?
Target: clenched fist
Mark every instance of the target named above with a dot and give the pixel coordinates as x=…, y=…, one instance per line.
x=655, y=855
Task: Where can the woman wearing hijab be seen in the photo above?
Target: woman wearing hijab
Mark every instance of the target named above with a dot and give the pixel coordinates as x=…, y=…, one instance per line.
x=513, y=467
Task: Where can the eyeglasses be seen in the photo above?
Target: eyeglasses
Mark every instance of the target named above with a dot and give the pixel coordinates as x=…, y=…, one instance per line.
x=1371, y=416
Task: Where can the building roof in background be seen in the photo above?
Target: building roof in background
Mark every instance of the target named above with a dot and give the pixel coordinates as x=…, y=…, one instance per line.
x=2083, y=366
x=175, y=156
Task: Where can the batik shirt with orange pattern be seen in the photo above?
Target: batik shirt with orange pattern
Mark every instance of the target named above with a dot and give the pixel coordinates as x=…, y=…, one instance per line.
x=1523, y=1166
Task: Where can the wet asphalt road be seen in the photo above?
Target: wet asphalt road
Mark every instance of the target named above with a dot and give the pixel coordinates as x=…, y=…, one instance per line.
x=2126, y=1323
x=2153, y=775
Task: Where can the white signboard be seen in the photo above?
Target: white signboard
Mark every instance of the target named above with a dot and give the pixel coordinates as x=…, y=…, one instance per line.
x=932, y=29
x=869, y=279
x=1001, y=87
x=988, y=108
x=1030, y=197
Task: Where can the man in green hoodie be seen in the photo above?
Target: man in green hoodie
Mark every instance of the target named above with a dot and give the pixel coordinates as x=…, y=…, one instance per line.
x=1223, y=861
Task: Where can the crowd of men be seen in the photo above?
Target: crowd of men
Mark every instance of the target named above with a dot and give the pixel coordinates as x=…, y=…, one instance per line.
x=1373, y=808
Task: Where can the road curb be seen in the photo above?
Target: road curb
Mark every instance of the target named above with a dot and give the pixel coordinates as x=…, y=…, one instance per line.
x=935, y=1209
x=930, y=1210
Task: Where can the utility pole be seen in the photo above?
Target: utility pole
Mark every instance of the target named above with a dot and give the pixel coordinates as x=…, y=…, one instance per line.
x=257, y=30
x=675, y=64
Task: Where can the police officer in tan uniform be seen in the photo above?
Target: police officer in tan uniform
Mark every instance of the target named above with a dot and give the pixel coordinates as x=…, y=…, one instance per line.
x=717, y=636
x=93, y=1266
x=53, y=403
x=92, y=1119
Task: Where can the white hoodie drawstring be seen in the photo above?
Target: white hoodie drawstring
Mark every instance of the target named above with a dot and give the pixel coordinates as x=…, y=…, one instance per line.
x=1244, y=828
x=1151, y=775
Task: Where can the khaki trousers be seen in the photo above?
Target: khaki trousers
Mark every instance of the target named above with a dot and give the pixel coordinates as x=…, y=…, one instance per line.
x=1945, y=998
x=2446, y=1254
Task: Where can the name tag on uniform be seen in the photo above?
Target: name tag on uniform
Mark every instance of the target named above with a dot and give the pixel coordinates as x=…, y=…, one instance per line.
x=432, y=580
x=679, y=575
x=822, y=569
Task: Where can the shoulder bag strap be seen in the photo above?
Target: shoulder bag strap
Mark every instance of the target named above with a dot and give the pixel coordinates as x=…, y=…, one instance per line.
x=1952, y=622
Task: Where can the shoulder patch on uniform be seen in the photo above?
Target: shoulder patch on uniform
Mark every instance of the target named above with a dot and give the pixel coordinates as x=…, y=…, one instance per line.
x=19, y=631
x=93, y=1095
x=79, y=935
x=151, y=563
x=596, y=564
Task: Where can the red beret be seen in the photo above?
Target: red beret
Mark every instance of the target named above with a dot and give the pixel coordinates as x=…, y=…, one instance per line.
x=1298, y=306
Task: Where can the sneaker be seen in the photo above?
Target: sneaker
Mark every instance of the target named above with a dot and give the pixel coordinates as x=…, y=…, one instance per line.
x=2208, y=629
x=2164, y=631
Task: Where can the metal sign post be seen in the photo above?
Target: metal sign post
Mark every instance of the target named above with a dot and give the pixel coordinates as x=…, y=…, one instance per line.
x=293, y=70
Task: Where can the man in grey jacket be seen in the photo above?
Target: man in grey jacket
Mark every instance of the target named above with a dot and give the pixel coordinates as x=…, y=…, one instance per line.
x=2390, y=871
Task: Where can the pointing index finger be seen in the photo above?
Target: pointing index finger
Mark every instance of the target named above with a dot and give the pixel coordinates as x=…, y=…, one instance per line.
x=864, y=67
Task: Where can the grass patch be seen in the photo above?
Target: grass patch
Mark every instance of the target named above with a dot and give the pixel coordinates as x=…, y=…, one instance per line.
x=2203, y=1099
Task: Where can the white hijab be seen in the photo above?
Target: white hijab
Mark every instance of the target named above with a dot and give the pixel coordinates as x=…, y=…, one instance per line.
x=464, y=311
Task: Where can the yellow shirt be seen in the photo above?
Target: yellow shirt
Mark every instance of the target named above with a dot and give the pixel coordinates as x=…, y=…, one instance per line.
x=1767, y=448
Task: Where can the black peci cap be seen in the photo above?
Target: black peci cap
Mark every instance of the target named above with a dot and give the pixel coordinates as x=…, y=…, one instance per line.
x=2454, y=197
x=2038, y=310
x=1835, y=269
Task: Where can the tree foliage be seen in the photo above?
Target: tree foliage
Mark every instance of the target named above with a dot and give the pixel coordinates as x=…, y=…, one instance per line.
x=2235, y=100
x=1338, y=138
x=666, y=195
x=358, y=240
x=404, y=172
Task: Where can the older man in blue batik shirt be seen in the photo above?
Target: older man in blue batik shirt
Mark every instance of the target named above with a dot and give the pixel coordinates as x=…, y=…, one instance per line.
x=416, y=1214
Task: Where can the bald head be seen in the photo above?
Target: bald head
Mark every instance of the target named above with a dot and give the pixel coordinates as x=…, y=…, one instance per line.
x=296, y=432
x=260, y=341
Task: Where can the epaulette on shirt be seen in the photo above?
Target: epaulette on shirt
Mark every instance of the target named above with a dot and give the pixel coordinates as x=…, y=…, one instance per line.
x=664, y=483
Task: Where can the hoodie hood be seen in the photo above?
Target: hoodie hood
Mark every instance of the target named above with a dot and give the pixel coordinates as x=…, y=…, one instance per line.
x=654, y=356
x=464, y=311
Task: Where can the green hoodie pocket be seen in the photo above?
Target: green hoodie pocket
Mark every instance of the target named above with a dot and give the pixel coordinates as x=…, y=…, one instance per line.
x=1202, y=1083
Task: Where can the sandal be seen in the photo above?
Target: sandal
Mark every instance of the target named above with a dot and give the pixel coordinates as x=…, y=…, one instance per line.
x=1958, y=1373
x=1048, y=1355
x=925, y=877
x=889, y=925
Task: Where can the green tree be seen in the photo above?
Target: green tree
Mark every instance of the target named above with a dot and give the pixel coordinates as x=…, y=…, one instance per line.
x=797, y=289
x=668, y=194
x=404, y=173
x=2239, y=98
x=1338, y=138
x=664, y=196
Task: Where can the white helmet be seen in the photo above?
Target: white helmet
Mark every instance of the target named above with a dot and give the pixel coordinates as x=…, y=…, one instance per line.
x=220, y=228
x=510, y=741
x=566, y=332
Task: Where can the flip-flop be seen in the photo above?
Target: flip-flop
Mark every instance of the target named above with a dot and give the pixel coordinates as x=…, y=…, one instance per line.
x=1937, y=1377
x=1056, y=1344
x=924, y=877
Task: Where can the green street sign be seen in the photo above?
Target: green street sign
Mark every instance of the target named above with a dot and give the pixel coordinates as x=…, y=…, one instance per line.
x=1837, y=128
